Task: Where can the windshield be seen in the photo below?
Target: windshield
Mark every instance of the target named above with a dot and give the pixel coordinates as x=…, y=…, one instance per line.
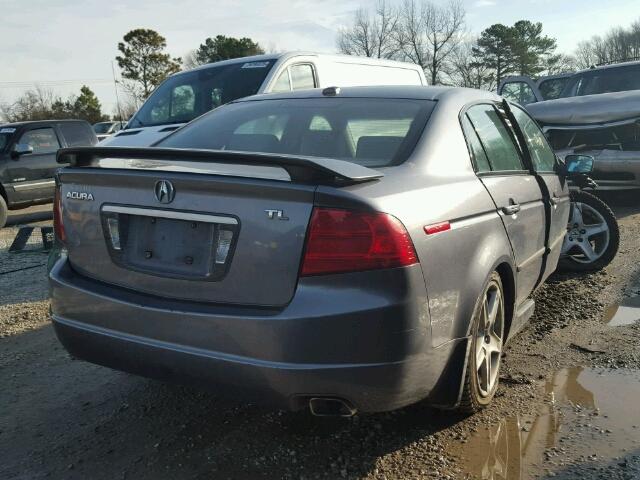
x=102, y=127
x=183, y=97
x=373, y=132
x=592, y=82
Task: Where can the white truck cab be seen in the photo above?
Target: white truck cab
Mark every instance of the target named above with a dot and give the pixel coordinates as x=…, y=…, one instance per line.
x=189, y=94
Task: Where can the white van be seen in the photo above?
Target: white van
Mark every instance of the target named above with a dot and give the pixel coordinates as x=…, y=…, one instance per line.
x=187, y=95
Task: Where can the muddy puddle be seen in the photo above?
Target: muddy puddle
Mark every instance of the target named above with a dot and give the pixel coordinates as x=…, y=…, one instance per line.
x=589, y=421
x=625, y=313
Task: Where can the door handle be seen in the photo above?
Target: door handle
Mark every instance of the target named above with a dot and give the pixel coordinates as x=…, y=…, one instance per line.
x=511, y=209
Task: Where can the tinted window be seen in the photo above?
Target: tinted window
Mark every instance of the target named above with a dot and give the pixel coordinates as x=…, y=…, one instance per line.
x=42, y=140
x=542, y=156
x=183, y=97
x=302, y=77
x=5, y=138
x=77, y=134
x=552, y=88
x=496, y=139
x=519, y=92
x=617, y=79
x=480, y=160
x=102, y=127
x=367, y=131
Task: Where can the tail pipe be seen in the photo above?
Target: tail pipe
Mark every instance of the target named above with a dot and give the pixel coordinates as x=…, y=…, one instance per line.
x=331, y=407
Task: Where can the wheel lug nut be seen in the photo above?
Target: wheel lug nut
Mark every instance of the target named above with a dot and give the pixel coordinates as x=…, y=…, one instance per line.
x=579, y=239
x=487, y=339
x=582, y=232
x=571, y=239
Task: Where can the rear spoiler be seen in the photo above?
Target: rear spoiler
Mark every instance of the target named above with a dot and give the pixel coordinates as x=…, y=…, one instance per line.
x=299, y=168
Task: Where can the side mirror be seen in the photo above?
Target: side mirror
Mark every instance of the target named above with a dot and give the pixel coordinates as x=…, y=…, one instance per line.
x=575, y=164
x=21, y=149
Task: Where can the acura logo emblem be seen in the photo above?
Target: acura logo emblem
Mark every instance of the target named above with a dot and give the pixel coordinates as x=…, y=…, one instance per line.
x=165, y=193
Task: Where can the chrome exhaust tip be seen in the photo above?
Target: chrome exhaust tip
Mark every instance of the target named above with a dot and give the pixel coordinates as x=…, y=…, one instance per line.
x=331, y=407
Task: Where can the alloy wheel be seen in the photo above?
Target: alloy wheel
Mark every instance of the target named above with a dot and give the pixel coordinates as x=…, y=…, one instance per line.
x=489, y=339
x=587, y=235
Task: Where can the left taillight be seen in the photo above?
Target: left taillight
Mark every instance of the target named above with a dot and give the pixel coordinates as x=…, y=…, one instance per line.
x=58, y=224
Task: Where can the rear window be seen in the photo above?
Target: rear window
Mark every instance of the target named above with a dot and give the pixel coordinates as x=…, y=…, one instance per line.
x=373, y=132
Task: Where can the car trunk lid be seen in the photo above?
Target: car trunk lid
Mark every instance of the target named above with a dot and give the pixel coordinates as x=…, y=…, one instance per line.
x=220, y=227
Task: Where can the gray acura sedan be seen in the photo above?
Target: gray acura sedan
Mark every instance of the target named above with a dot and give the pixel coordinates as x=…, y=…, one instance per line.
x=343, y=250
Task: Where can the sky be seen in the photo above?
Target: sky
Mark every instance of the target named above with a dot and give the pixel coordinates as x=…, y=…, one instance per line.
x=62, y=44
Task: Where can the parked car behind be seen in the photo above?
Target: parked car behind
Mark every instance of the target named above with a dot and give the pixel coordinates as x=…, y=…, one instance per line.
x=187, y=95
x=28, y=159
x=597, y=114
x=106, y=129
x=345, y=249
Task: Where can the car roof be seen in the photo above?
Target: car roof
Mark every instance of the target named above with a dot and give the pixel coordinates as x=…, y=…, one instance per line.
x=415, y=92
x=609, y=66
x=37, y=122
x=297, y=53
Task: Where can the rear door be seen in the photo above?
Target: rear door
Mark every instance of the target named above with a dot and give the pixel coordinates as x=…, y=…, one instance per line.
x=32, y=174
x=555, y=191
x=514, y=190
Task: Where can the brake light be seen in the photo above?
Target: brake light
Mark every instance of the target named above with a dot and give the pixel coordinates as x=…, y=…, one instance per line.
x=58, y=225
x=347, y=241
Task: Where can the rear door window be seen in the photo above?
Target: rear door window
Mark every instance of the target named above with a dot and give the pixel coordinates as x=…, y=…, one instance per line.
x=42, y=140
x=479, y=157
x=498, y=143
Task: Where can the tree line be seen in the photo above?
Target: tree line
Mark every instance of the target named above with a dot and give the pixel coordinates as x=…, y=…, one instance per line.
x=434, y=36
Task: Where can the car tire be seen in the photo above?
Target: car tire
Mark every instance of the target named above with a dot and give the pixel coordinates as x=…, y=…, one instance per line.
x=485, y=353
x=4, y=212
x=568, y=263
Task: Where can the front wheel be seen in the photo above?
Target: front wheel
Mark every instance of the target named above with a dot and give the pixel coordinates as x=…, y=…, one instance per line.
x=487, y=340
x=592, y=237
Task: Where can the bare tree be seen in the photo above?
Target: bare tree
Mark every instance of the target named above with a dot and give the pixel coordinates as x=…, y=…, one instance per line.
x=190, y=60
x=430, y=34
x=371, y=34
x=468, y=70
x=618, y=45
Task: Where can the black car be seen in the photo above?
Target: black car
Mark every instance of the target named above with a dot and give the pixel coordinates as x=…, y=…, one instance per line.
x=28, y=159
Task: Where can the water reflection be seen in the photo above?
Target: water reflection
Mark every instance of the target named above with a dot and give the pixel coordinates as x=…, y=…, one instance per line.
x=586, y=411
x=625, y=313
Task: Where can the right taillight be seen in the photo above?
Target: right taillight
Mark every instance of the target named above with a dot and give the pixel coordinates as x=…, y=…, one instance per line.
x=58, y=225
x=349, y=241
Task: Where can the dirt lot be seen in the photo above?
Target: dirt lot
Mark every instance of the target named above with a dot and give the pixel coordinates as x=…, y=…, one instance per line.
x=567, y=406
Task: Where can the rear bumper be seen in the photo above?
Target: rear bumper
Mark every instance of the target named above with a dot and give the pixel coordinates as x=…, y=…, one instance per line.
x=372, y=350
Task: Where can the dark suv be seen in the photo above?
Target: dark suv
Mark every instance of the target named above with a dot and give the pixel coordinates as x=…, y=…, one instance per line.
x=28, y=159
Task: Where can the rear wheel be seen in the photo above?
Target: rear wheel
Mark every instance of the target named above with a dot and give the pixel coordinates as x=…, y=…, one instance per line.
x=592, y=237
x=4, y=212
x=487, y=340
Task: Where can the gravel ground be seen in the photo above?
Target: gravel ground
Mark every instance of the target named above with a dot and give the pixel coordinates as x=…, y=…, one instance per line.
x=554, y=415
